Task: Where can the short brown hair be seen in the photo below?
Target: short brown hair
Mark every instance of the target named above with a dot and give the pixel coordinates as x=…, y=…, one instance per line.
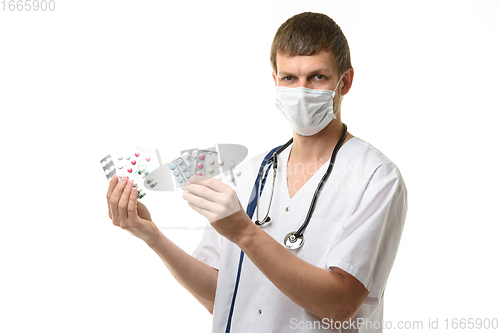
x=309, y=33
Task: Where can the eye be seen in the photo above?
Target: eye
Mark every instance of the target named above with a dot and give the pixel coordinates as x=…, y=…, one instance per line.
x=319, y=77
x=287, y=78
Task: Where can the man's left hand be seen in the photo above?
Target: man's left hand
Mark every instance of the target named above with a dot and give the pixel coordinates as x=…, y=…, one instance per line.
x=219, y=203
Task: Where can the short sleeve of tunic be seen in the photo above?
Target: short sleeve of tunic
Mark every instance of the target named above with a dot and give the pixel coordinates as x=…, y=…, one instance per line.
x=369, y=242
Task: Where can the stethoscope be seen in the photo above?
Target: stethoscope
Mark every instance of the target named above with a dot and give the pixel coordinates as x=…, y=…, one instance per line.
x=294, y=239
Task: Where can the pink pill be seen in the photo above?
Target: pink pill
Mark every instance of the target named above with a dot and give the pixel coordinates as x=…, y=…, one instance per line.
x=200, y=166
x=202, y=157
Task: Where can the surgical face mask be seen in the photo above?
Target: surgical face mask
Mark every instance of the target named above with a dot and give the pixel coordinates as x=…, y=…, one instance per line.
x=307, y=110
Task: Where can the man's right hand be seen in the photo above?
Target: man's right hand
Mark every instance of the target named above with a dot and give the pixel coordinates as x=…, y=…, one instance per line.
x=129, y=214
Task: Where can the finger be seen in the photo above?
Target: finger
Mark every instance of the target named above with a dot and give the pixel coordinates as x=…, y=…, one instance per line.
x=199, y=201
x=202, y=191
x=209, y=182
x=115, y=198
x=209, y=215
x=132, y=204
x=111, y=187
x=124, y=200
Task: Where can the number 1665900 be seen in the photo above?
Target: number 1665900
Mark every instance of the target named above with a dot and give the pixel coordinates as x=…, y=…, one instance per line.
x=28, y=5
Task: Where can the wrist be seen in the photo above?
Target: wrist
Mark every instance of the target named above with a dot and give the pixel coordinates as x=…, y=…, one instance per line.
x=248, y=235
x=155, y=239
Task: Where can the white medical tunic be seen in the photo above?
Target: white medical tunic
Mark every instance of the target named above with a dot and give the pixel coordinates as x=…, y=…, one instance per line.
x=356, y=226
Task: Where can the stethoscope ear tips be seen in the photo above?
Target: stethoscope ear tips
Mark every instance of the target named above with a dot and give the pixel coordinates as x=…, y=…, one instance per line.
x=293, y=241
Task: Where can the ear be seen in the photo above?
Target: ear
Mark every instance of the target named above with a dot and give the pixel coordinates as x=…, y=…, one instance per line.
x=347, y=81
x=274, y=78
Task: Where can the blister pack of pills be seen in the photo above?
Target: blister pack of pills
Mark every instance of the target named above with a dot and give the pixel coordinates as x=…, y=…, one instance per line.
x=201, y=162
x=108, y=166
x=135, y=164
x=147, y=170
x=218, y=162
x=180, y=170
x=207, y=165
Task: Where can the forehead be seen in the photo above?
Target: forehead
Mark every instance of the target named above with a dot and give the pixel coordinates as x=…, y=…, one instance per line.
x=298, y=65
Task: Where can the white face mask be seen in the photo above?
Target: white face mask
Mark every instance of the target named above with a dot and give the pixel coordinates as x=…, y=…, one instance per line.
x=307, y=110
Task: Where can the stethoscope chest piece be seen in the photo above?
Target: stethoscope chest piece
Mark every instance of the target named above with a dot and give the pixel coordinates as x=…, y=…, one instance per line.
x=294, y=241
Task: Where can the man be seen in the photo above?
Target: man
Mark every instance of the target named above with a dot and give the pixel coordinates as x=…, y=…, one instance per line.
x=243, y=273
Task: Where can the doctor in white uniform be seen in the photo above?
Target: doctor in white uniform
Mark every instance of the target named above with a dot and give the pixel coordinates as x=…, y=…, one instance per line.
x=243, y=273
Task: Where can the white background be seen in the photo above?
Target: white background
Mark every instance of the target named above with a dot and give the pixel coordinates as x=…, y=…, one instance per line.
x=94, y=77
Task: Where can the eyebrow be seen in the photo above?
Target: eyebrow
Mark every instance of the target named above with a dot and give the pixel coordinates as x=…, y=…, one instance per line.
x=313, y=72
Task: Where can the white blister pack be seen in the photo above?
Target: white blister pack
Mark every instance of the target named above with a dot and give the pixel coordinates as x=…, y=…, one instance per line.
x=180, y=170
x=205, y=164
x=219, y=162
x=108, y=166
x=201, y=162
x=135, y=164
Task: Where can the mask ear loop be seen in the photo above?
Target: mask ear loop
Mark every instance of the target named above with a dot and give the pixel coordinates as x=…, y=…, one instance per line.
x=338, y=84
x=341, y=97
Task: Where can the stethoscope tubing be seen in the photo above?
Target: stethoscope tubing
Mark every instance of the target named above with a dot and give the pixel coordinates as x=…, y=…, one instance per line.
x=300, y=231
x=254, y=199
x=274, y=158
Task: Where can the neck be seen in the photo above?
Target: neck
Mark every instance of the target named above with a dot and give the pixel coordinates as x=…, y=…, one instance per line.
x=320, y=146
